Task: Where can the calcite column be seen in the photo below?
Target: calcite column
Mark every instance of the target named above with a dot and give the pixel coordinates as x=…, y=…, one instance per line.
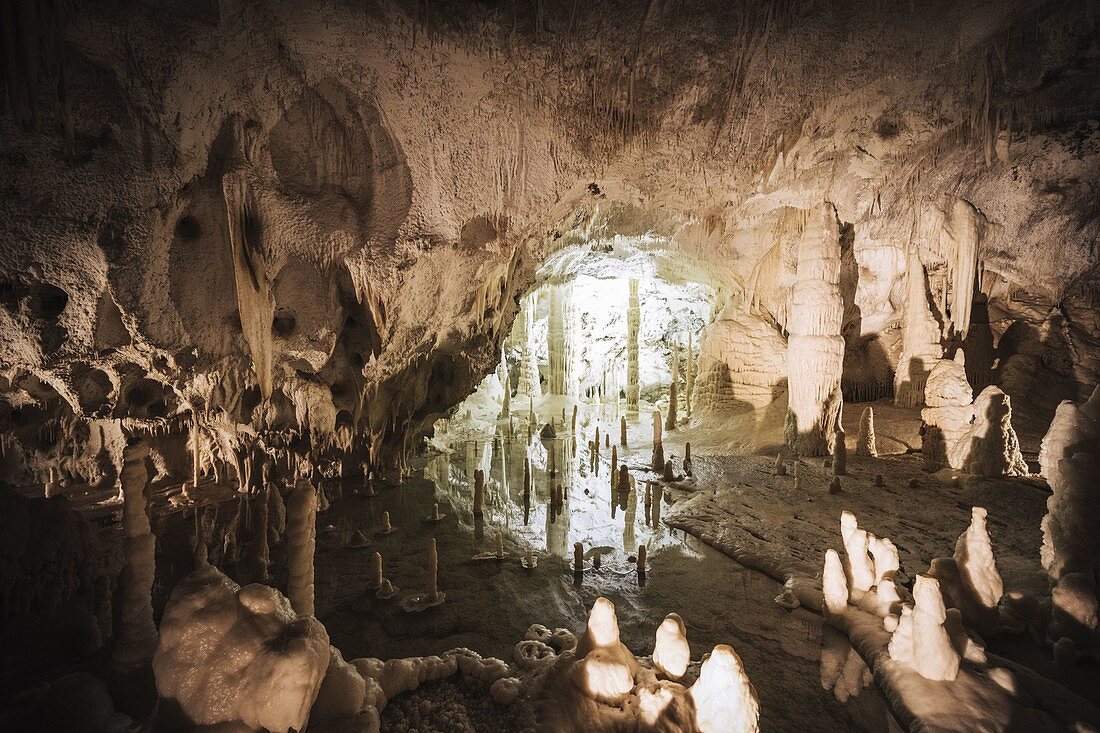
x=920, y=336
x=137, y=634
x=689, y=377
x=529, y=383
x=633, y=324
x=673, y=390
x=301, y=537
x=559, y=336
x=815, y=346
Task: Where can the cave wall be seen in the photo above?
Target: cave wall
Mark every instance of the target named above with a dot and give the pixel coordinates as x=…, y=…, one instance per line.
x=206, y=205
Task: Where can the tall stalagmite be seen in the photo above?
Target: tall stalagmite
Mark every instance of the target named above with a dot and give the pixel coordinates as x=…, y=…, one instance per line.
x=559, y=335
x=136, y=636
x=529, y=383
x=689, y=377
x=633, y=324
x=301, y=537
x=920, y=337
x=815, y=348
x=673, y=390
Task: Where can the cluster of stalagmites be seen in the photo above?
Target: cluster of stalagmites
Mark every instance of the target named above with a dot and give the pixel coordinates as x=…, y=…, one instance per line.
x=927, y=629
x=958, y=431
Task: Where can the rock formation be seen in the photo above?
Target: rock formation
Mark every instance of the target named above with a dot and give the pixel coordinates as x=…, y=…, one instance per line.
x=815, y=348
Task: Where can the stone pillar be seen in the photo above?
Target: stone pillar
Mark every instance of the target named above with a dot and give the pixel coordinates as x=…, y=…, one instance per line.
x=559, y=336
x=529, y=383
x=815, y=346
x=136, y=636
x=633, y=324
x=689, y=377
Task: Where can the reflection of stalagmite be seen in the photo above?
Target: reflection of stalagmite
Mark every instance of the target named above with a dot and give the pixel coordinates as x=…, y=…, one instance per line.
x=301, y=537
x=622, y=431
x=724, y=699
x=673, y=389
x=633, y=324
x=815, y=347
x=920, y=335
x=506, y=404
x=865, y=442
x=136, y=636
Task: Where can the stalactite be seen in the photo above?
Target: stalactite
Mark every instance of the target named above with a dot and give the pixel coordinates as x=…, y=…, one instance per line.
x=633, y=324
x=815, y=347
x=255, y=296
x=137, y=634
x=301, y=531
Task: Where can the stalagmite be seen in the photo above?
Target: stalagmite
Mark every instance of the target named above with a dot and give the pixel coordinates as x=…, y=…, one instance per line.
x=834, y=485
x=633, y=324
x=689, y=378
x=387, y=526
x=671, y=653
x=920, y=336
x=780, y=467
x=798, y=475
x=815, y=346
x=196, y=459
x=624, y=479
x=834, y=584
x=301, y=538
x=559, y=337
x=933, y=656
x=673, y=389
x=506, y=403
x=376, y=576
x=865, y=442
x=658, y=458
x=860, y=573
x=614, y=466
x=976, y=564
x=529, y=382
x=885, y=556
x=135, y=632
x=578, y=557
x=479, y=492
x=840, y=454
x=605, y=668
x=622, y=431
x=724, y=699
x=573, y=420
x=641, y=559
x=1070, y=461
x=687, y=459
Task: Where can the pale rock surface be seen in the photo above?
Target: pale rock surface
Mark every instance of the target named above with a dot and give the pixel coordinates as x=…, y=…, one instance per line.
x=724, y=698
x=230, y=654
x=671, y=653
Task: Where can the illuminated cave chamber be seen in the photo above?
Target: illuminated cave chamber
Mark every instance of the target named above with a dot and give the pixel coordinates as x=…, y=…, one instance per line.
x=700, y=367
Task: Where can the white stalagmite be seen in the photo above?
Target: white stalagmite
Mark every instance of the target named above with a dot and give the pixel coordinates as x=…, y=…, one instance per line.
x=725, y=700
x=529, y=382
x=136, y=634
x=671, y=653
x=865, y=441
x=605, y=668
x=995, y=449
x=977, y=566
x=861, y=574
x=633, y=324
x=934, y=657
x=673, y=389
x=834, y=584
x=885, y=556
x=920, y=337
x=1070, y=461
x=301, y=538
x=815, y=346
x=559, y=335
x=229, y=654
